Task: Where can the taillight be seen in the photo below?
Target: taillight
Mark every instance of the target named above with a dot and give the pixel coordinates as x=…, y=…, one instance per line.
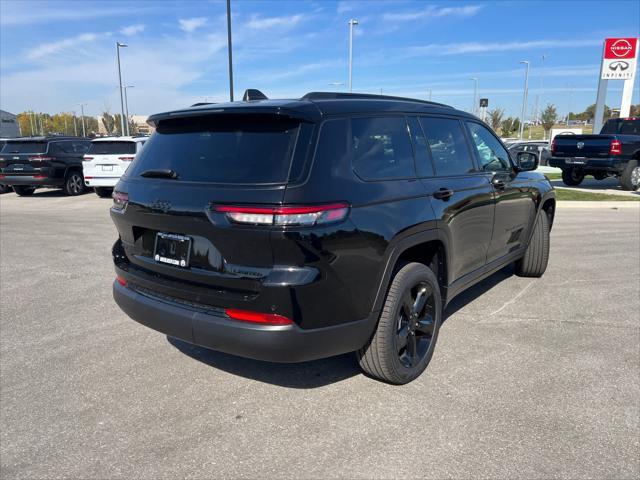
x=299, y=215
x=39, y=177
x=126, y=159
x=256, y=317
x=121, y=280
x=120, y=200
x=3, y=176
x=40, y=158
x=553, y=147
x=87, y=159
x=615, y=147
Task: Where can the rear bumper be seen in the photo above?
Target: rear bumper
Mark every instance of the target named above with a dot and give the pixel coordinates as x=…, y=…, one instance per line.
x=596, y=164
x=101, y=181
x=287, y=344
x=30, y=180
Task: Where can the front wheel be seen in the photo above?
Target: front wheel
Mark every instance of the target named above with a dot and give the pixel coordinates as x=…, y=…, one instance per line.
x=628, y=174
x=103, y=192
x=24, y=190
x=535, y=259
x=572, y=177
x=73, y=184
x=403, y=343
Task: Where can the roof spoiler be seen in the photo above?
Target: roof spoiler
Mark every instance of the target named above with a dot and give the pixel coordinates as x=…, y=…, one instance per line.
x=253, y=94
x=202, y=103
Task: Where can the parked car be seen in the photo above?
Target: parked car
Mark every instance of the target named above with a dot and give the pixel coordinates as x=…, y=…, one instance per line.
x=541, y=148
x=292, y=230
x=107, y=159
x=615, y=152
x=4, y=188
x=55, y=161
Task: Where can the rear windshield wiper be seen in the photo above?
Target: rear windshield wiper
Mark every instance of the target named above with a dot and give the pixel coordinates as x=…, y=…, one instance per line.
x=163, y=173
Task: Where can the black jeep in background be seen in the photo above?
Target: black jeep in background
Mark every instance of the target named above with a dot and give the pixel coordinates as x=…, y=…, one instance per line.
x=291, y=230
x=613, y=153
x=56, y=161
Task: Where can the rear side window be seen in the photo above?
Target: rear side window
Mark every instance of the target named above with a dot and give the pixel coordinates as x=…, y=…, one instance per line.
x=622, y=127
x=25, y=147
x=448, y=146
x=242, y=149
x=381, y=148
x=112, y=148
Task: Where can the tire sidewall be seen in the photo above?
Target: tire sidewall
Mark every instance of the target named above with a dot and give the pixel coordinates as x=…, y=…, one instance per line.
x=67, y=183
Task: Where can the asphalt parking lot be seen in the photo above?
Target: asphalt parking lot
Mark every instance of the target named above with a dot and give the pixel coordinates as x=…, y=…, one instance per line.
x=531, y=378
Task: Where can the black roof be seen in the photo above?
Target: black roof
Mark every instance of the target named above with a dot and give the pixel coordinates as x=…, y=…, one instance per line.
x=316, y=105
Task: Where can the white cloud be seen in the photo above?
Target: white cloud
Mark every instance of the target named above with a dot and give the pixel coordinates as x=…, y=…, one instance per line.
x=491, y=47
x=132, y=29
x=50, y=48
x=432, y=12
x=260, y=23
x=192, y=24
x=30, y=13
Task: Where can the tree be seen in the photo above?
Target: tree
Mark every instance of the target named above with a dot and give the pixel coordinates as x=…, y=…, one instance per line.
x=590, y=112
x=495, y=118
x=506, y=127
x=635, y=110
x=516, y=125
x=109, y=122
x=549, y=117
x=133, y=128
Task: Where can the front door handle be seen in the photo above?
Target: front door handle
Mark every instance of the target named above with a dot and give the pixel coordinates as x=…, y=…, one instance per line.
x=443, y=194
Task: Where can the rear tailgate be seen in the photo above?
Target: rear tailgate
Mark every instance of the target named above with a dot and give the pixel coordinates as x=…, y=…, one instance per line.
x=24, y=157
x=587, y=146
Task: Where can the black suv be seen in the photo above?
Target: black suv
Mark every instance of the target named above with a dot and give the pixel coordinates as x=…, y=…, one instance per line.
x=291, y=230
x=56, y=161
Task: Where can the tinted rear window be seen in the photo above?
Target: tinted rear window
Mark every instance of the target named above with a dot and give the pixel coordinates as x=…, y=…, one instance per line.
x=112, y=148
x=25, y=147
x=222, y=149
x=622, y=127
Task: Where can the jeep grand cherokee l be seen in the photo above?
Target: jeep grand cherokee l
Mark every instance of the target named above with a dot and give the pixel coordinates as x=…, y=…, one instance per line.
x=291, y=230
x=56, y=161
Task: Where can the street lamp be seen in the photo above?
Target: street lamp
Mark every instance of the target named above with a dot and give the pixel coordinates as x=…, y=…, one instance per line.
x=352, y=23
x=230, y=50
x=474, y=110
x=126, y=105
x=118, y=47
x=84, y=134
x=524, y=98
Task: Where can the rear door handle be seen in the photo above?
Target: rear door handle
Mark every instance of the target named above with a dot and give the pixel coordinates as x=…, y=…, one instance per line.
x=443, y=194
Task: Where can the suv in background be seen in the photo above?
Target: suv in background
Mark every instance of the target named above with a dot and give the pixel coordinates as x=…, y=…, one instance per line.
x=56, y=161
x=541, y=148
x=4, y=188
x=292, y=230
x=107, y=159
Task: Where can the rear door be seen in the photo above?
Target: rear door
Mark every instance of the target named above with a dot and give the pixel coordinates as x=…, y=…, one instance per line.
x=461, y=197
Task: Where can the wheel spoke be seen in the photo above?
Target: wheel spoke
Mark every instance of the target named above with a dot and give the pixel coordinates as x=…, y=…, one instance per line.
x=421, y=299
x=425, y=325
x=412, y=349
x=407, y=303
x=403, y=335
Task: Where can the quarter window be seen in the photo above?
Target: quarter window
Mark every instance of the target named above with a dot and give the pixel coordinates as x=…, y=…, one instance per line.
x=492, y=155
x=448, y=146
x=381, y=148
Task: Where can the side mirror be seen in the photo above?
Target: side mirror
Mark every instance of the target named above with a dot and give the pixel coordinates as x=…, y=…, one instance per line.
x=527, y=161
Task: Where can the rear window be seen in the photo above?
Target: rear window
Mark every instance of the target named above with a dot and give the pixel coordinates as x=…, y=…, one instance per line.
x=622, y=127
x=25, y=147
x=222, y=149
x=112, y=148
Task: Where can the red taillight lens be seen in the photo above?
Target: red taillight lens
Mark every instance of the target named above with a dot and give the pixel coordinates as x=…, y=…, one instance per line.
x=126, y=159
x=39, y=176
x=3, y=176
x=553, y=147
x=40, y=158
x=299, y=215
x=120, y=200
x=256, y=317
x=87, y=159
x=88, y=178
x=615, y=147
x=121, y=280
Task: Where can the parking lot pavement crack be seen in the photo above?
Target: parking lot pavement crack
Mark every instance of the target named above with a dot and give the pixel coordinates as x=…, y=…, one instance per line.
x=512, y=300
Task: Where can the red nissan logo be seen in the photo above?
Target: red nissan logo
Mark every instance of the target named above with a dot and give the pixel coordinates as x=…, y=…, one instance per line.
x=621, y=47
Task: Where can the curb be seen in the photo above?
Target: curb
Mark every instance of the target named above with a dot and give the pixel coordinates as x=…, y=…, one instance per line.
x=614, y=205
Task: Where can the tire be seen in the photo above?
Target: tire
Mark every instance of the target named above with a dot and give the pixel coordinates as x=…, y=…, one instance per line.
x=626, y=179
x=4, y=189
x=572, y=177
x=535, y=259
x=73, y=183
x=599, y=176
x=103, y=192
x=635, y=178
x=388, y=354
x=24, y=190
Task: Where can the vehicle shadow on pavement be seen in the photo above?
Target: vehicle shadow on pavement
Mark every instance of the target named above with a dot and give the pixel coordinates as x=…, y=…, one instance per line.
x=477, y=290
x=315, y=374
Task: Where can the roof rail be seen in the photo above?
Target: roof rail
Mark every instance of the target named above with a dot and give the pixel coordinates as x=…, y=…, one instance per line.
x=365, y=96
x=202, y=103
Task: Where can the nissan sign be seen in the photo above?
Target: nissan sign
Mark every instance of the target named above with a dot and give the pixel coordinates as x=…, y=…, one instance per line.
x=619, y=59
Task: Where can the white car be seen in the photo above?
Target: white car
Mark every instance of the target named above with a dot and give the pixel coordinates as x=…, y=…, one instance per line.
x=107, y=159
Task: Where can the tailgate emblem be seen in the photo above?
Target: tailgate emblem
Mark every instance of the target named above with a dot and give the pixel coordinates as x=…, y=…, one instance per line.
x=580, y=145
x=162, y=205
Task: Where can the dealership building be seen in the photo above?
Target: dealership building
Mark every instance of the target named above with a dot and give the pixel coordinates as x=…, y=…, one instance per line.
x=9, y=127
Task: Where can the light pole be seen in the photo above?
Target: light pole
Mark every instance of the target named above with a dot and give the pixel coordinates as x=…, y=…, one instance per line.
x=524, y=98
x=429, y=94
x=474, y=110
x=230, y=50
x=352, y=23
x=118, y=47
x=126, y=105
x=84, y=134
x=75, y=126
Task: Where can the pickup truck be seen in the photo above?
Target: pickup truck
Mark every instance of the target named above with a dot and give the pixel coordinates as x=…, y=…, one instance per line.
x=613, y=153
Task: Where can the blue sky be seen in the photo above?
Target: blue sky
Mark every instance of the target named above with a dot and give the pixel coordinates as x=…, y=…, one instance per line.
x=55, y=55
